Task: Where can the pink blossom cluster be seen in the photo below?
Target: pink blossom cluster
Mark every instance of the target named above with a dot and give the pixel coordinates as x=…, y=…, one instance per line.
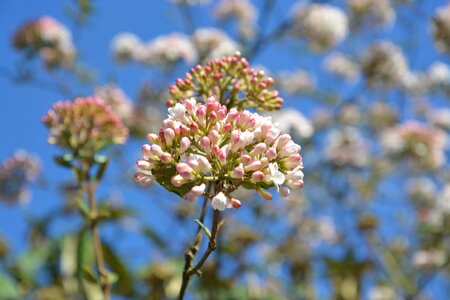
x=231, y=81
x=84, y=126
x=200, y=144
x=48, y=38
x=15, y=173
x=441, y=28
x=424, y=144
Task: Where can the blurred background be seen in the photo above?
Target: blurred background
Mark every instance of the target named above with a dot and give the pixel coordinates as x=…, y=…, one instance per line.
x=366, y=86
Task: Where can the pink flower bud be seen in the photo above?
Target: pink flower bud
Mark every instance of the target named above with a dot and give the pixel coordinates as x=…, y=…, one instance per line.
x=257, y=176
x=144, y=165
x=169, y=135
x=200, y=113
x=193, y=163
x=198, y=189
x=233, y=114
x=289, y=149
x=226, y=128
x=146, y=151
x=177, y=180
x=185, y=171
x=271, y=153
x=284, y=191
x=143, y=179
x=253, y=166
x=152, y=138
x=156, y=150
x=205, y=143
x=204, y=164
x=238, y=172
x=235, y=203
x=283, y=140
x=272, y=135
x=212, y=117
x=293, y=161
x=165, y=157
x=185, y=143
x=246, y=159
x=214, y=136
x=259, y=149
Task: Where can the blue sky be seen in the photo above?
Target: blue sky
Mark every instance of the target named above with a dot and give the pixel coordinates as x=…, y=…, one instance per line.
x=22, y=106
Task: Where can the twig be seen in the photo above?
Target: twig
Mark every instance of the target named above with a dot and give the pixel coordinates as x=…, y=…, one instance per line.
x=36, y=82
x=189, y=269
x=99, y=260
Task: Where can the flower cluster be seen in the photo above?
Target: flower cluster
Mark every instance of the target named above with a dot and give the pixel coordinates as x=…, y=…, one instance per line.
x=167, y=49
x=116, y=98
x=425, y=145
x=296, y=82
x=200, y=144
x=384, y=65
x=347, y=147
x=441, y=28
x=323, y=25
x=84, y=126
x=15, y=173
x=243, y=11
x=138, y=116
x=438, y=75
x=292, y=121
x=124, y=46
x=373, y=13
x=48, y=38
x=341, y=66
x=231, y=81
x=213, y=43
x=162, y=51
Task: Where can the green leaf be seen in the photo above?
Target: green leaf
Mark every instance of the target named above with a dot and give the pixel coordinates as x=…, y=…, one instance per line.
x=124, y=282
x=78, y=174
x=153, y=236
x=102, y=162
x=88, y=274
x=83, y=208
x=64, y=160
x=205, y=229
x=8, y=288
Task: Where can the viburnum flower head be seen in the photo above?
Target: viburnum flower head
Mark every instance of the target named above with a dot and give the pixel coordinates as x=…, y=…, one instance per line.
x=48, y=38
x=200, y=144
x=231, y=81
x=84, y=126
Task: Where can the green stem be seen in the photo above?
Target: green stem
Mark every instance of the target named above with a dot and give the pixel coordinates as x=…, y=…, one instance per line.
x=99, y=260
x=189, y=268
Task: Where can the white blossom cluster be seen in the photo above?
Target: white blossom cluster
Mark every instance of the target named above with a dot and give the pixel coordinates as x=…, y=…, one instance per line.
x=342, y=66
x=384, y=65
x=373, y=13
x=324, y=26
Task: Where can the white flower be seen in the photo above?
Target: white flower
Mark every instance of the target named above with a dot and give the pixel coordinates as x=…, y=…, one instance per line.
x=276, y=176
x=178, y=113
x=220, y=202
